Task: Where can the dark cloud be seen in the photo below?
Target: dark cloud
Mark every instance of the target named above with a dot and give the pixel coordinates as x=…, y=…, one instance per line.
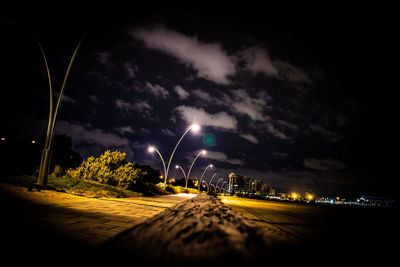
x=324, y=164
x=82, y=134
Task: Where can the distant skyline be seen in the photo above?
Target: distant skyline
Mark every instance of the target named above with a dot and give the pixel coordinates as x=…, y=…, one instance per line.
x=298, y=102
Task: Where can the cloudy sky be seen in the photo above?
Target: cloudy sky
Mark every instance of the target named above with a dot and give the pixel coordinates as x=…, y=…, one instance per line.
x=297, y=100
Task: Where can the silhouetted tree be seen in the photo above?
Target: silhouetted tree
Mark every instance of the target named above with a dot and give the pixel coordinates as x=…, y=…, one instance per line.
x=151, y=176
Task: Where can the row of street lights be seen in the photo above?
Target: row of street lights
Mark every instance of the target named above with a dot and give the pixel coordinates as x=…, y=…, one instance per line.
x=216, y=186
x=194, y=128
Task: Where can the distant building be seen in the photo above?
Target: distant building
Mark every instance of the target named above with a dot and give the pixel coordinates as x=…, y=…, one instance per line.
x=268, y=190
x=246, y=185
x=255, y=187
x=238, y=183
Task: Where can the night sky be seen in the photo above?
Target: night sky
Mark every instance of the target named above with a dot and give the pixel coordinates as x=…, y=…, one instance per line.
x=299, y=100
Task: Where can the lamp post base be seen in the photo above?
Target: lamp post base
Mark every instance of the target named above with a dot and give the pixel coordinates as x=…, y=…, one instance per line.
x=44, y=167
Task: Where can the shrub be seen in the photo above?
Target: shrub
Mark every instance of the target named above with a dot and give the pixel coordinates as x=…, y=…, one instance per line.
x=181, y=189
x=110, y=168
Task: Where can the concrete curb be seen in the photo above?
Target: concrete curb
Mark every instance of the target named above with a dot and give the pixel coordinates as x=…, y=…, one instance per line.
x=197, y=231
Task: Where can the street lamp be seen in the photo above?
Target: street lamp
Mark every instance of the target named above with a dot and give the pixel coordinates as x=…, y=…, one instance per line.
x=195, y=128
x=201, y=177
x=208, y=187
x=151, y=149
x=202, y=152
x=211, y=180
x=46, y=153
x=216, y=186
x=184, y=174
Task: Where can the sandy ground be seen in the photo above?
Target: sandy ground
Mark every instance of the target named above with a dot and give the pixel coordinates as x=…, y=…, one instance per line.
x=66, y=224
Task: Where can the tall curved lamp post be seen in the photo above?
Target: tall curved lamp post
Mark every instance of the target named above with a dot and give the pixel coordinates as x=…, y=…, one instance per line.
x=218, y=182
x=208, y=187
x=151, y=149
x=213, y=186
x=195, y=128
x=184, y=174
x=211, y=181
x=202, y=152
x=201, y=177
x=46, y=153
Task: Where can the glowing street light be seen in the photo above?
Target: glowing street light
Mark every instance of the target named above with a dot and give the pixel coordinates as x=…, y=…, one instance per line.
x=295, y=196
x=151, y=149
x=208, y=187
x=195, y=128
x=201, y=177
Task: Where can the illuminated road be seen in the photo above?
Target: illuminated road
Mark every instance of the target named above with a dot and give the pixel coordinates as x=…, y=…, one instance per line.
x=314, y=225
x=286, y=221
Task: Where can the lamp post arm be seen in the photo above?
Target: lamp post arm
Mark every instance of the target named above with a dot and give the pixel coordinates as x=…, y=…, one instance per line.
x=64, y=82
x=163, y=162
x=219, y=181
x=46, y=145
x=170, y=159
x=45, y=158
x=191, y=166
x=184, y=174
x=201, y=177
x=212, y=177
x=211, y=181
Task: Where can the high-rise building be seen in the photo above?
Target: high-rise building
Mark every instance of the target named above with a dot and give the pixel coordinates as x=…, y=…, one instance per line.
x=238, y=183
x=243, y=185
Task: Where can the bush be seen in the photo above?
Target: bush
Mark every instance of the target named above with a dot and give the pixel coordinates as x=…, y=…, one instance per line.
x=181, y=189
x=110, y=168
